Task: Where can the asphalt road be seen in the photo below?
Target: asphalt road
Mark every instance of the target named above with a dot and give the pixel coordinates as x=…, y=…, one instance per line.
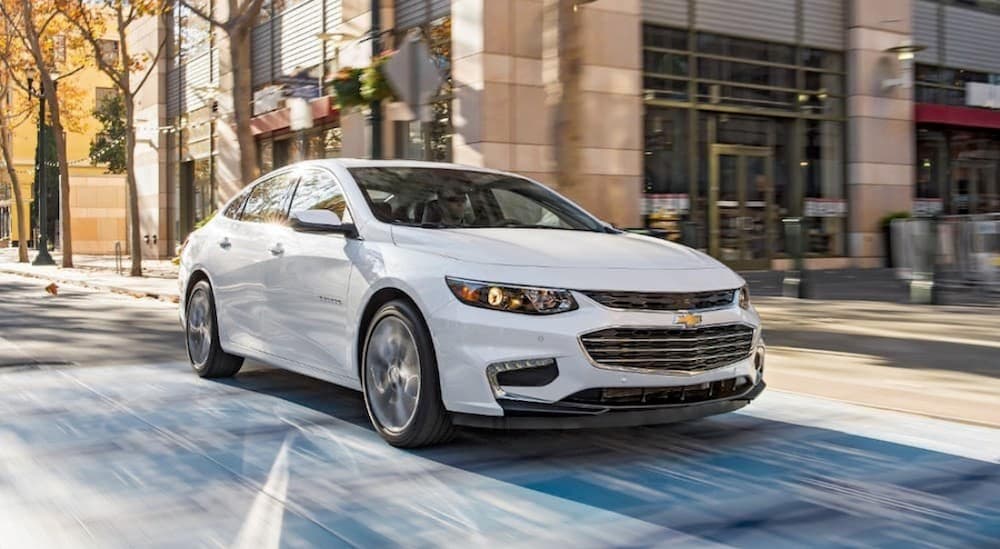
x=108, y=440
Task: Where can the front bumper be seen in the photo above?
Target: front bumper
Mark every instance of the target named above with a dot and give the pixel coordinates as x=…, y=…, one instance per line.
x=525, y=415
x=467, y=340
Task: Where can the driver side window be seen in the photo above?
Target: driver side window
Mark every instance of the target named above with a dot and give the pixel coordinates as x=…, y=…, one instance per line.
x=516, y=207
x=318, y=190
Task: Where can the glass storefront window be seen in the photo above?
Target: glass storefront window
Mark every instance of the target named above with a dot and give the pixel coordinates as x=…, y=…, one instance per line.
x=725, y=94
x=664, y=37
x=746, y=73
x=665, y=88
x=822, y=59
x=666, y=151
x=750, y=99
x=825, y=204
x=266, y=148
x=745, y=48
x=665, y=63
x=932, y=161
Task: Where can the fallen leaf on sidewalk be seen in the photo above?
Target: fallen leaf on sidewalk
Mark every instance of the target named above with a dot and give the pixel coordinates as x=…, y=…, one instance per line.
x=52, y=289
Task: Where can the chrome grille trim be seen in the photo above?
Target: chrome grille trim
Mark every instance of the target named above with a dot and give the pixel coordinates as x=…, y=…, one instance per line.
x=663, y=301
x=670, y=350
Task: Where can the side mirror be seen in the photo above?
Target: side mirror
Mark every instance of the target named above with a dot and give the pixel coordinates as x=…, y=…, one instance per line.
x=321, y=221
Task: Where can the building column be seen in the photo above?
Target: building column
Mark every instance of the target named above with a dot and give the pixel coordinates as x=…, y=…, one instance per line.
x=151, y=175
x=880, y=127
x=500, y=114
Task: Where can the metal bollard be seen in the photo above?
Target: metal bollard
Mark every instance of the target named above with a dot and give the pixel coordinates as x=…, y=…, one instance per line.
x=795, y=283
x=923, y=289
x=118, y=257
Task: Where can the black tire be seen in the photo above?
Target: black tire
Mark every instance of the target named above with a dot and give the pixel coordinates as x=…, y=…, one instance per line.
x=430, y=423
x=213, y=363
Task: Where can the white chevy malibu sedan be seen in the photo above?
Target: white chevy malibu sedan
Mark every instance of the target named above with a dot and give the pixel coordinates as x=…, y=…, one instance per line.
x=452, y=296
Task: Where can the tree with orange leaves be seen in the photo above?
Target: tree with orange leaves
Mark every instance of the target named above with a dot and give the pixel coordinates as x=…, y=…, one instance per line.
x=127, y=70
x=12, y=117
x=40, y=40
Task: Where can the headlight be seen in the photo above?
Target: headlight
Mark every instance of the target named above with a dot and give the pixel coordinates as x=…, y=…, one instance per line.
x=744, y=298
x=514, y=299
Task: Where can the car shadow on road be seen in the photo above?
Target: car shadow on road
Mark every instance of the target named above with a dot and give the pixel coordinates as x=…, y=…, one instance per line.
x=733, y=479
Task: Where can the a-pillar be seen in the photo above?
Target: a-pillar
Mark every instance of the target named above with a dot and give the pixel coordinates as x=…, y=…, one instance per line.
x=880, y=124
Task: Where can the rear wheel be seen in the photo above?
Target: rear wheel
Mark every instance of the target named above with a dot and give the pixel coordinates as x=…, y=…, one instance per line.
x=400, y=379
x=202, y=336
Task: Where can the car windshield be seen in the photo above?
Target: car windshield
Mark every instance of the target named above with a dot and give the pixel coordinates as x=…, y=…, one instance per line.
x=441, y=198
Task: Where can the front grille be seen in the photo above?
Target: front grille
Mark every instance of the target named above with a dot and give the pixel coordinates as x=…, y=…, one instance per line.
x=663, y=301
x=677, y=349
x=618, y=397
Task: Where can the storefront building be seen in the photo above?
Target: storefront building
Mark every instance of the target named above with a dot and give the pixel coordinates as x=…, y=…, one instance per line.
x=712, y=122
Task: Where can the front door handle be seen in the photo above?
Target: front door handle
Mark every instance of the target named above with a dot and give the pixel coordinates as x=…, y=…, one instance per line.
x=225, y=244
x=277, y=249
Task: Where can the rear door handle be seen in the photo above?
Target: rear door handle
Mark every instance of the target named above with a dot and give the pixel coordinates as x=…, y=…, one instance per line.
x=277, y=249
x=225, y=244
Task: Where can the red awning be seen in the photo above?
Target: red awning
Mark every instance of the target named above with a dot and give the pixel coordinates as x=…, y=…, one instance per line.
x=323, y=111
x=930, y=113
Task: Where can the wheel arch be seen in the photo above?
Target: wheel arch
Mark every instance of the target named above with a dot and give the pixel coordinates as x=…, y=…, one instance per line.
x=375, y=302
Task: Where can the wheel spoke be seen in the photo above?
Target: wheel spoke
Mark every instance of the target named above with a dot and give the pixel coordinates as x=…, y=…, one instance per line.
x=392, y=373
x=199, y=327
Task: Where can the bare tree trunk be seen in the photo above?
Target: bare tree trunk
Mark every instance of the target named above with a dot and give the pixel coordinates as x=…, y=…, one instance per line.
x=564, y=63
x=22, y=223
x=135, y=241
x=239, y=51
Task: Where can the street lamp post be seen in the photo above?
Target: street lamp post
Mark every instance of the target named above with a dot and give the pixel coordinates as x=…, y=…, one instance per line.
x=43, y=257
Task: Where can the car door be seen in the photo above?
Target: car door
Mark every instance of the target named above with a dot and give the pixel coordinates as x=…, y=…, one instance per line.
x=310, y=300
x=241, y=286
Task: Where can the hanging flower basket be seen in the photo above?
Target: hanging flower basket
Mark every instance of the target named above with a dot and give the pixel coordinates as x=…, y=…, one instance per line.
x=347, y=88
x=374, y=84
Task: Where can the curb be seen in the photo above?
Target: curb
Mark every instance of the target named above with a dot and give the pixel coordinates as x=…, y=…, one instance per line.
x=168, y=298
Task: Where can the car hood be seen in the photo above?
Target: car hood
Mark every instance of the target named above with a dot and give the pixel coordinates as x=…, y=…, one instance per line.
x=547, y=248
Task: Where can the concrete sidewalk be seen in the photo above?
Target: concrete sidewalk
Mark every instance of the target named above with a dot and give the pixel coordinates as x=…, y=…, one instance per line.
x=98, y=272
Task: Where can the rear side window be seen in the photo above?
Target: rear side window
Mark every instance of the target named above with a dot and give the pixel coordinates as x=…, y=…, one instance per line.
x=267, y=202
x=232, y=211
x=318, y=190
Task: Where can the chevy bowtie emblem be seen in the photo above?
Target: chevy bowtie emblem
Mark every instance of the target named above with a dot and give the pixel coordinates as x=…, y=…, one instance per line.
x=688, y=320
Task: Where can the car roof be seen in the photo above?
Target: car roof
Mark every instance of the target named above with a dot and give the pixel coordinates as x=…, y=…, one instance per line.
x=367, y=163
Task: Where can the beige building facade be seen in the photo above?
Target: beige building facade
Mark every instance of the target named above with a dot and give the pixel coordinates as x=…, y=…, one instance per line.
x=709, y=120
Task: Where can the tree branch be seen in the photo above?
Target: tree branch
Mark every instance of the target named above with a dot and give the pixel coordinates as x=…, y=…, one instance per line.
x=203, y=15
x=249, y=14
x=152, y=65
x=48, y=21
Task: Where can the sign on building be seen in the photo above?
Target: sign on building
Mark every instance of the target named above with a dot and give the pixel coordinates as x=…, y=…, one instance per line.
x=825, y=207
x=979, y=94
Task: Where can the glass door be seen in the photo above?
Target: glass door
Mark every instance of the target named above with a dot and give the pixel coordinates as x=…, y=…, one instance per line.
x=974, y=187
x=741, y=195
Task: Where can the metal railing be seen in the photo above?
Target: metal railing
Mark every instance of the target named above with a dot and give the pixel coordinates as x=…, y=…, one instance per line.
x=950, y=253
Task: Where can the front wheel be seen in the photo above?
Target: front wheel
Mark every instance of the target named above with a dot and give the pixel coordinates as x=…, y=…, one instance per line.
x=400, y=379
x=202, y=336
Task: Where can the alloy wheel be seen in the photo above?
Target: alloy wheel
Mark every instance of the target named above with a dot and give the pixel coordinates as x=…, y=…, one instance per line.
x=199, y=327
x=392, y=374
